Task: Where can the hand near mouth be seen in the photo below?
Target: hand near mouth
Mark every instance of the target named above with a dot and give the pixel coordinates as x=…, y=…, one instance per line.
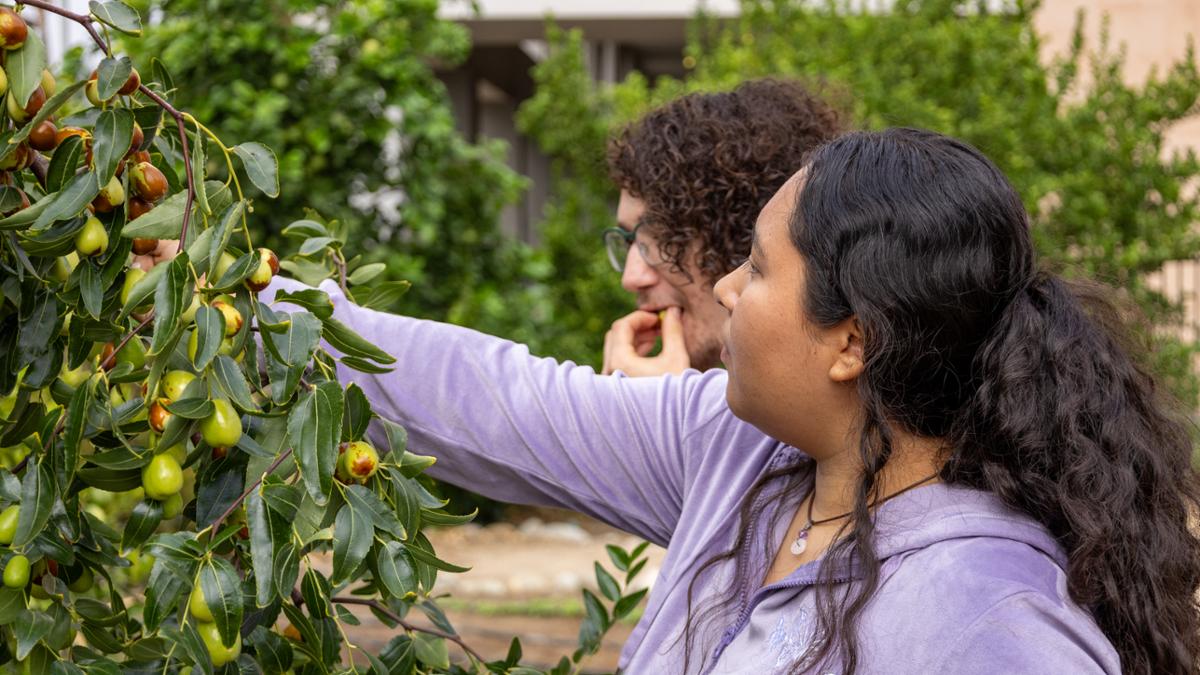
x=632, y=337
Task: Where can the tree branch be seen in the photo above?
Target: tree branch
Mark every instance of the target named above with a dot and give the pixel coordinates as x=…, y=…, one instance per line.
x=379, y=607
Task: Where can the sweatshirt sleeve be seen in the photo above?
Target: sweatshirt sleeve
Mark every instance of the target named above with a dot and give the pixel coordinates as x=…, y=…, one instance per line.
x=1030, y=633
x=530, y=430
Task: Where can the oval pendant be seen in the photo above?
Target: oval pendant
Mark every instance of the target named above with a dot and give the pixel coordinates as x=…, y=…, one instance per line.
x=800, y=544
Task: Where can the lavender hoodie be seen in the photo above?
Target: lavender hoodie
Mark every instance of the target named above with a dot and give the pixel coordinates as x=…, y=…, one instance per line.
x=967, y=585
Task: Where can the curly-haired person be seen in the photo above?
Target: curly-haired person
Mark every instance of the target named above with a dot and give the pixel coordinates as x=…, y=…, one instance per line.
x=694, y=174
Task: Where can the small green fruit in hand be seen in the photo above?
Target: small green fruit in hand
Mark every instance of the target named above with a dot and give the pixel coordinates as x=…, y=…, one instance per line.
x=162, y=477
x=219, y=653
x=357, y=462
x=148, y=181
x=16, y=572
x=268, y=267
x=13, y=29
x=223, y=428
x=174, y=382
x=92, y=240
x=8, y=524
x=198, y=606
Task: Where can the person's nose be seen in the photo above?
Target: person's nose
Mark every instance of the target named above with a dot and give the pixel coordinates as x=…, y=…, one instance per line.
x=727, y=288
x=638, y=274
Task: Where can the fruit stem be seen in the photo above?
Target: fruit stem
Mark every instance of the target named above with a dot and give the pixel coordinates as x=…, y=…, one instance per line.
x=379, y=607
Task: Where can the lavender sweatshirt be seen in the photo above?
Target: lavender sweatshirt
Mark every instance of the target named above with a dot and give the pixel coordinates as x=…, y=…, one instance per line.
x=967, y=585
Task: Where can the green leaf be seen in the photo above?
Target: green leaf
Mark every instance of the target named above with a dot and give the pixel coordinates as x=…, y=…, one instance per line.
x=366, y=273
x=30, y=628
x=274, y=653
x=91, y=292
x=382, y=516
x=171, y=297
x=24, y=217
x=210, y=331
x=384, y=295
x=261, y=166
x=395, y=570
x=223, y=231
x=342, y=338
x=421, y=555
x=219, y=485
x=223, y=592
x=627, y=604
x=164, y=590
x=358, y=414
x=24, y=67
x=12, y=603
x=191, y=408
x=38, y=324
x=315, y=245
x=231, y=381
x=117, y=15
x=295, y=349
x=238, y=271
x=431, y=650
x=144, y=519
x=287, y=568
x=619, y=557
x=69, y=202
x=73, y=431
x=64, y=163
x=364, y=366
x=38, y=493
x=311, y=299
x=197, y=170
x=111, y=75
x=262, y=547
x=113, y=135
x=304, y=229
x=314, y=426
x=607, y=584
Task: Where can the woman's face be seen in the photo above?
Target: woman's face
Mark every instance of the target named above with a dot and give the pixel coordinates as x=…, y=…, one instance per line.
x=788, y=377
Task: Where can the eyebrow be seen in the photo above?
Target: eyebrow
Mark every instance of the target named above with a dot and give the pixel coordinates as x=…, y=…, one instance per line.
x=756, y=247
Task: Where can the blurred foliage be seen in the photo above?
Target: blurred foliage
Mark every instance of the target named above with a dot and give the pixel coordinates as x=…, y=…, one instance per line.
x=1084, y=148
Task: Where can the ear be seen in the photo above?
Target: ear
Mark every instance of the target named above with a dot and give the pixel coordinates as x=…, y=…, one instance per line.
x=848, y=340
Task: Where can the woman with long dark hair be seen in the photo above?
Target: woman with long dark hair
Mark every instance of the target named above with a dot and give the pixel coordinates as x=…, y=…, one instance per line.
x=928, y=454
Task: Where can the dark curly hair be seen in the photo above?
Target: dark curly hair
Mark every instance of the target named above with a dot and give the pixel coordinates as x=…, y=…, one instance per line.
x=1033, y=381
x=705, y=165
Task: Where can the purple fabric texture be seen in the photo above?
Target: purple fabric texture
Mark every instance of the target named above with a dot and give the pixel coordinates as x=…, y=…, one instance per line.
x=967, y=585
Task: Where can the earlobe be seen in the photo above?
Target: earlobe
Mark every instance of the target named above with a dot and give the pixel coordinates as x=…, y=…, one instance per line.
x=849, y=363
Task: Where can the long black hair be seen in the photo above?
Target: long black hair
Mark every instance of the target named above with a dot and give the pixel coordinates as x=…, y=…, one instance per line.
x=1034, y=382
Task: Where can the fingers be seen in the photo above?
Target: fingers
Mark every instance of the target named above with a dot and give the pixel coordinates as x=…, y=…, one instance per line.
x=628, y=343
x=672, y=333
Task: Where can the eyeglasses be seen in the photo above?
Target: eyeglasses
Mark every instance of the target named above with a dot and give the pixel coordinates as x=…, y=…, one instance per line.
x=617, y=242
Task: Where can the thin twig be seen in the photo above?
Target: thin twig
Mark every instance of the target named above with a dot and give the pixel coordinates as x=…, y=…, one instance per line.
x=274, y=465
x=379, y=607
x=341, y=265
